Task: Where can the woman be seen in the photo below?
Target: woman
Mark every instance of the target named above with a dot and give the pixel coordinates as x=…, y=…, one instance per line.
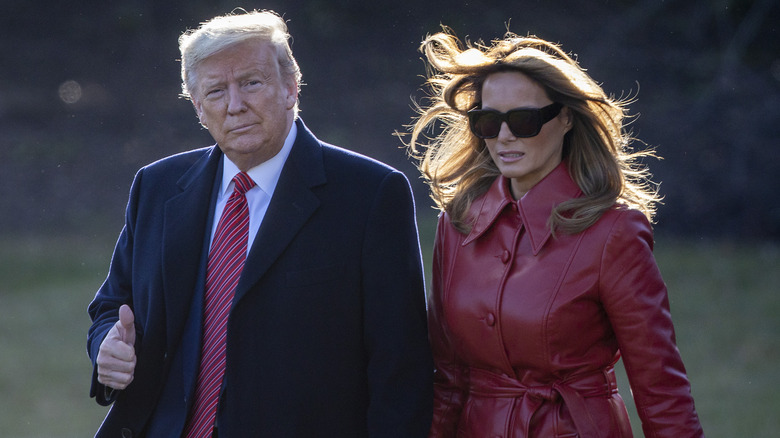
x=543, y=273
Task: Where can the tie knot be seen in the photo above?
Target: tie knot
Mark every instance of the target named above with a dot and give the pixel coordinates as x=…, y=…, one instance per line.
x=243, y=182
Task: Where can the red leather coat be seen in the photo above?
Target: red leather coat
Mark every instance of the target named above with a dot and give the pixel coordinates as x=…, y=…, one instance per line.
x=525, y=327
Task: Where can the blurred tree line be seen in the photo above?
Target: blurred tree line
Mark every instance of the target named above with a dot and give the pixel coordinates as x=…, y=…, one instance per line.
x=89, y=93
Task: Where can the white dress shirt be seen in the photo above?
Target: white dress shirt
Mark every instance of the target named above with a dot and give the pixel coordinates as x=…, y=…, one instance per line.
x=265, y=176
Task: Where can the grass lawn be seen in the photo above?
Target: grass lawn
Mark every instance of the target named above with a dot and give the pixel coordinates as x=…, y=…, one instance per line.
x=724, y=298
x=44, y=369
x=725, y=303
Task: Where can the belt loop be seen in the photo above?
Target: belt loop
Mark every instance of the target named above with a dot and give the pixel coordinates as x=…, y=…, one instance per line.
x=609, y=377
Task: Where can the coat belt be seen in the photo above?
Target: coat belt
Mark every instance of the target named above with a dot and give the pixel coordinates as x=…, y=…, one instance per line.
x=572, y=391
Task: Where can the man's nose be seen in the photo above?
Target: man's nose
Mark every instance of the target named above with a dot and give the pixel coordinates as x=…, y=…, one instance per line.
x=236, y=100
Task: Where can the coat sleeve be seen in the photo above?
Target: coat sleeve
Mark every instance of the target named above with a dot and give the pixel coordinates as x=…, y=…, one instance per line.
x=636, y=301
x=115, y=291
x=450, y=378
x=400, y=368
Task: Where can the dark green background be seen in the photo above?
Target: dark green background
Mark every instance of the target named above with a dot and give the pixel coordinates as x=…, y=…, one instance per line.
x=706, y=73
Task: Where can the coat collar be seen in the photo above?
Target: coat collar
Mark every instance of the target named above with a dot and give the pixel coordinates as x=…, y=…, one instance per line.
x=534, y=208
x=192, y=210
x=291, y=206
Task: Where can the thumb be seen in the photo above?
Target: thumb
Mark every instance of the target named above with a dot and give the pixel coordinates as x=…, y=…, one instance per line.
x=126, y=325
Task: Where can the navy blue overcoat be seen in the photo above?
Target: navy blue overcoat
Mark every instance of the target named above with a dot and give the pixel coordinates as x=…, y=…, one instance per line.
x=327, y=334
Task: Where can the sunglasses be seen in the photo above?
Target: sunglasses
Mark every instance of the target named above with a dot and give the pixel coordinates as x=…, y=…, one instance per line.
x=522, y=122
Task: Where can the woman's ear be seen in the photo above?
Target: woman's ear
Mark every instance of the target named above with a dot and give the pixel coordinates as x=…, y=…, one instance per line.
x=568, y=118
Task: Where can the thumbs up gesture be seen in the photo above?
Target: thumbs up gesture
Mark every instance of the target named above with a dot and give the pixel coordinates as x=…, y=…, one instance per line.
x=116, y=357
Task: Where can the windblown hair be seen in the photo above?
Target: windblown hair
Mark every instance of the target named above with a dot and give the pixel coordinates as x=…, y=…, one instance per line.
x=222, y=32
x=456, y=164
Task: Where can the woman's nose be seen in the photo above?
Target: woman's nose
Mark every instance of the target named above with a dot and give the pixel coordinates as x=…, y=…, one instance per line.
x=505, y=134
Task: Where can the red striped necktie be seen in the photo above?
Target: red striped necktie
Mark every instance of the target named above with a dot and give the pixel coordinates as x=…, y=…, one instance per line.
x=226, y=260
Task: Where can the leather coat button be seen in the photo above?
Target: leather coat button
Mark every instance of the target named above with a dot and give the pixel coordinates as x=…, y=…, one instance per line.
x=505, y=256
x=490, y=319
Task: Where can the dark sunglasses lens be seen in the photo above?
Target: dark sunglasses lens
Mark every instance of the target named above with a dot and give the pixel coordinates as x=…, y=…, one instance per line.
x=486, y=124
x=523, y=123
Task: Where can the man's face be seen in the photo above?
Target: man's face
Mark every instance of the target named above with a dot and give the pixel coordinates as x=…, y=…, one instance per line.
x=244, y=102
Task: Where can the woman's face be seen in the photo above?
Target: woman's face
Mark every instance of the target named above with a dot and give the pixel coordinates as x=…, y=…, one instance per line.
x=525, y=161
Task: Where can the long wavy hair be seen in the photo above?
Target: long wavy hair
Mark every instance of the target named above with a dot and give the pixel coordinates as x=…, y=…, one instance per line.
x=456, y=164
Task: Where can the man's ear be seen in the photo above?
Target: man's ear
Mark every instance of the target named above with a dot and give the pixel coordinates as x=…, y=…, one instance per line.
x=292, y=93
x=199, y=112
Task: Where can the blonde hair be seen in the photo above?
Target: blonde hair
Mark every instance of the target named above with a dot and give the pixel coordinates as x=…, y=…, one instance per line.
x=456, y=164
x=224, y=31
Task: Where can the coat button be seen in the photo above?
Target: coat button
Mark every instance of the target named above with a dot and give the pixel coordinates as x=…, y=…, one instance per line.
x=505, y=256
x=127, y=433
x=490, y=319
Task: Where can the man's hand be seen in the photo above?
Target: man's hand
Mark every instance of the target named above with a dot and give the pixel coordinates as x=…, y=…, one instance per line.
x=116, y=357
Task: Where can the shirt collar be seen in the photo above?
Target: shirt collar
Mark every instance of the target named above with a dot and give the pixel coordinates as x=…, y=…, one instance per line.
x=534, y=208
x=265, y=174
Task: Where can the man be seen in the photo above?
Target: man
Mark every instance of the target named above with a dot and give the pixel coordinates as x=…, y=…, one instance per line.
x=268, y=286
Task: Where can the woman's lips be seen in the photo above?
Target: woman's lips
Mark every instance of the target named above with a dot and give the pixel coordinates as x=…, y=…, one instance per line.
x=510, y=157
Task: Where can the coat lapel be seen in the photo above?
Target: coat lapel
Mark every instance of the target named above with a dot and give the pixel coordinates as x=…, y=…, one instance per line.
x=292, y=204
x=186, y=217
x=534, y=208
x=537, y=205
